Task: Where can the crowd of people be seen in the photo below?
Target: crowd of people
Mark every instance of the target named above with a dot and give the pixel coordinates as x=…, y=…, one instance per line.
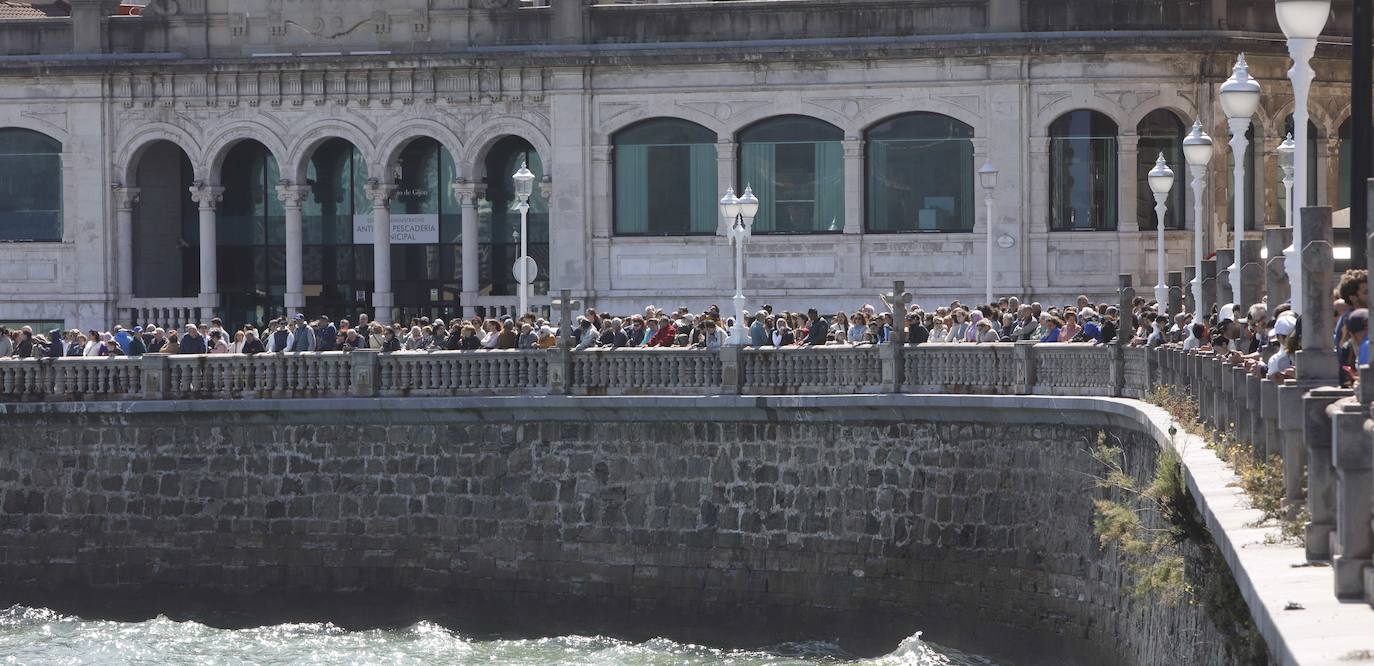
x=1008, y=320
x=1262, y=339
x=1265, y=340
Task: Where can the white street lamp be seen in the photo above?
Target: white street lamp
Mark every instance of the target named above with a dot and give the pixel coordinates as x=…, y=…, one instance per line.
x=739, y=212
x=1302, y=22
x=1197, y=150
x=1240, y=98
x=987, y=177
x=1161, y=181
x=525, y=269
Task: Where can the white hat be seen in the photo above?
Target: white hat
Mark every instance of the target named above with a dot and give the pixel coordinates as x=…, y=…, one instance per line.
x=1226, y=313
x=1285, y=325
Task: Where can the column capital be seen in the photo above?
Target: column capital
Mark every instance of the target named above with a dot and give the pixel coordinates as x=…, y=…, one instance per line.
x=726, y=150
x=601, y=153
x=206, y=196
x=292, y=195
x=853, y=148
x=379, y=193
x=468, y=193
x=546, y=187
x=124, y=197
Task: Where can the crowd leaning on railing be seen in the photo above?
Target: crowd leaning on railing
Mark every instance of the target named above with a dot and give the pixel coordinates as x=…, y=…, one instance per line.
x=1008, y=320
x=1260, y=338
x=1263, y=339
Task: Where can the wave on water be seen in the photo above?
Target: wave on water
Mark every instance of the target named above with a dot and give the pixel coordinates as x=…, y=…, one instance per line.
x=41, y=636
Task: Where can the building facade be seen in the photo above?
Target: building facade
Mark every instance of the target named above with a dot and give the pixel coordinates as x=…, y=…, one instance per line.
x=236, y=157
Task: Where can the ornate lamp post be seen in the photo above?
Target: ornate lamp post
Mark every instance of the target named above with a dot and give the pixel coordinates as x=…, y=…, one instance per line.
x=1240, y=98
x=987, y=177
x=1161, y=181
x=525, y=268
x=740, y=212
x=1197, y=150
x=1302, y=22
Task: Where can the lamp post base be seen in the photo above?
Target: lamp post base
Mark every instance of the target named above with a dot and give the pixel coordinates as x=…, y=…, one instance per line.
x=740, y=333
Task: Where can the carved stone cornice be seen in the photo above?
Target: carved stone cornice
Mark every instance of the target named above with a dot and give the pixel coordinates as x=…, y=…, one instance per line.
x=468, y=194
x=268, y=84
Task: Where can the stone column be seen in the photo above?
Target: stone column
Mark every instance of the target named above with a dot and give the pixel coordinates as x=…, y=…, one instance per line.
x=1275, y=276
x=124, y=200
x=89, y=18
x=726, y=177
x=468, y=195
x=292, y=197
x=1128, y=184
x=1351, y=454
x=1225, y=258
x=569, y=21
x=1209, y=286
x=382, y=298
x=1317, y=367
x=1251, y=272
x=208, y=197
x=854, y=185
x=1174, y=280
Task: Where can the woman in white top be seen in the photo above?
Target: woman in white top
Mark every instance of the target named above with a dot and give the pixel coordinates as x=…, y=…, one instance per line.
x=858, y=329
x=959, y=329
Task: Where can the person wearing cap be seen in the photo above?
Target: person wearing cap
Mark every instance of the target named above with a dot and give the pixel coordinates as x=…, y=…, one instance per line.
x=135, y=346
x=326, y=334
x=1281, y=361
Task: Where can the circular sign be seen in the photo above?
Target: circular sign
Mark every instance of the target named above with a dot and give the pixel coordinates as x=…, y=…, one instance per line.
x=1005, y=241
x=525, y=266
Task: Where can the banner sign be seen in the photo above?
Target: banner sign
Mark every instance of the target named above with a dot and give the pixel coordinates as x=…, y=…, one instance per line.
x=421, y=229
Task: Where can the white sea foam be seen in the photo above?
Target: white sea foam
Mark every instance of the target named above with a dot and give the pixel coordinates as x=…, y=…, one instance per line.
x=41, y=636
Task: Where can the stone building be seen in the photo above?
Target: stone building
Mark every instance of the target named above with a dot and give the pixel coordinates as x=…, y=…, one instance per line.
x=288, y=130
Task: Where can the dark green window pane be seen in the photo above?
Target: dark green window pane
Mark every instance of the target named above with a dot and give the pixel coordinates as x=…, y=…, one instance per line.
x=919, y=175
x=1160, y=132
x=795, y=166
x=30, y=186
x=1083, y=182
x=665, y=179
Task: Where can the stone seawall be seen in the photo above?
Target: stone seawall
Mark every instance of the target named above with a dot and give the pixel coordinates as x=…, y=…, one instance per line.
x=971, y=524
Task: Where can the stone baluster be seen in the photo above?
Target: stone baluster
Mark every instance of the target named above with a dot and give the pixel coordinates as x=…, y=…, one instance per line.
x=1225, y=259
x=1353, y=541
x=1317, y=369
x=1275, y=275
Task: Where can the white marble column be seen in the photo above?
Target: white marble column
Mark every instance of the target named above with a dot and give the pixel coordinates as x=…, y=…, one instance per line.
x=382, y=298
x=468, y=195
x=124, y=200
x=208, y=197
x=726, y=177
x=853, y=185
x=292, y=197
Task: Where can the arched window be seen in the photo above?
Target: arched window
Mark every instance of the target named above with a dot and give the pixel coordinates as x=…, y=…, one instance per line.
x=30, y=186
x=796, y=166
x=251, y=232
x=1160, y=132
x=499, y=226
x=920, y=174
x=665, y=179
x=426, y=253
x=337, y=270
x=1083, y=182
